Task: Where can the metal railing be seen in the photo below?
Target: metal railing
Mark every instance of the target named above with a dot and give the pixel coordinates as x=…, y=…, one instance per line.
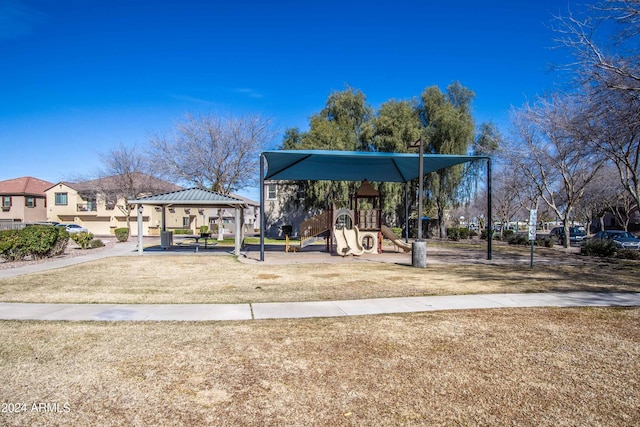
x=87, y=207
x=312, y=228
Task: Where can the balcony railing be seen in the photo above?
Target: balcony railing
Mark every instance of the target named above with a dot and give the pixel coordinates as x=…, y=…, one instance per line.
x=87, y=207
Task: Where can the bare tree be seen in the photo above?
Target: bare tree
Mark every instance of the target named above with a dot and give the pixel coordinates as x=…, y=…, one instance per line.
x=213, y=152
x=125, y=176
x=551, y=154
x=612, y=127
x=603, y=40
x=604, y=43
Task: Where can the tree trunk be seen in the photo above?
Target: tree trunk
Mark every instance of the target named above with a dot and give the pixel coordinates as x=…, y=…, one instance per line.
x=442, y=226
x=220, y=226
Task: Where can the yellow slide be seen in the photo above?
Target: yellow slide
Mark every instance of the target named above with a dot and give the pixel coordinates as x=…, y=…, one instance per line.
x=389, y=234
x=347, y=241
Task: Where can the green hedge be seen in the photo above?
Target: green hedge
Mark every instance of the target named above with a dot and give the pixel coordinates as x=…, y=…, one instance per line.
x=182, y=231
x=122, y=234
x=36, y=242
x=83, y=239
x=457, y=233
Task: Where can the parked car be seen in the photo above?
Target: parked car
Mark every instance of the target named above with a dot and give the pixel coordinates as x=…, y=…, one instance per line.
x=576, y=235
x=622, y=239
x=73, y=228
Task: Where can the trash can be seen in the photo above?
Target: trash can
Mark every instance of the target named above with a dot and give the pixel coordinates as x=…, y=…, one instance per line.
x=419, y=254
x=286, y=230
x=166, y=239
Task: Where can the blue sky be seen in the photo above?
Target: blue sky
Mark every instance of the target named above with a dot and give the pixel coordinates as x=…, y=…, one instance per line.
x=81, y=77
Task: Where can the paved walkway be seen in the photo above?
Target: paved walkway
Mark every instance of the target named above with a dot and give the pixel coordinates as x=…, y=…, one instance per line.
x=296, y=310
x=286, y=310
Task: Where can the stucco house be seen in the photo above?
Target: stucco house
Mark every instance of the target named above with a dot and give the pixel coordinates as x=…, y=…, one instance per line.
x=101, y=206
x=23, y=200
x=284, y=206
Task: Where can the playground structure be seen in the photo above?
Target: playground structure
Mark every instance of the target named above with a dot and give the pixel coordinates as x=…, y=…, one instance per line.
x=354, y=231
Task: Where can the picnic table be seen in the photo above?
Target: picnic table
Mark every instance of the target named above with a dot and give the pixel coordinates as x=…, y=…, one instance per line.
x=204, y=236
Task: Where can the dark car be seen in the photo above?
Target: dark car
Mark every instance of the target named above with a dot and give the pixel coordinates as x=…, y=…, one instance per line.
x=622, y=239
x=576, y=235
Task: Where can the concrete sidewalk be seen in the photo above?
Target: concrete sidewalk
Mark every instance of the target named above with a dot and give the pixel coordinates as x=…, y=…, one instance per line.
x=119, y=249
x=296, y=310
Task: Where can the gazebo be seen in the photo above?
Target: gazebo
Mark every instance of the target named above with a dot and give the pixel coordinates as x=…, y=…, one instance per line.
x=317, y=165
x=193, y=198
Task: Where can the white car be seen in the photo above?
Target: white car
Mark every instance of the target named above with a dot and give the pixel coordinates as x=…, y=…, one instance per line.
x=73, y=228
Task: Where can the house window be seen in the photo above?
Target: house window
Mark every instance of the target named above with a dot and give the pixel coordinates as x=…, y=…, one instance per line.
x=110, y=201
x=6, y=201
x=185, y=221
x=272, y=191
x=61, y=199
x=30, y=202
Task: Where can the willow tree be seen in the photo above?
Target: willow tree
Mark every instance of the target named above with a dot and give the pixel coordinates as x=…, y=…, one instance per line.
x=338, y=126
x=448, y=129
x=393, y=127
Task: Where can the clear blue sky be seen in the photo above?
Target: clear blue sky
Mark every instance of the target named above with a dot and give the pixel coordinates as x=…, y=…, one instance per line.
x=81, y=77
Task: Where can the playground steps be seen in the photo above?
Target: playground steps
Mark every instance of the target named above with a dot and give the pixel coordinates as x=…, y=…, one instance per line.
x=312, y=228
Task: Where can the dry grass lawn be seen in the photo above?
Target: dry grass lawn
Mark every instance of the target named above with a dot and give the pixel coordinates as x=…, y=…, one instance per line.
x=223, y=279
x=528, y=367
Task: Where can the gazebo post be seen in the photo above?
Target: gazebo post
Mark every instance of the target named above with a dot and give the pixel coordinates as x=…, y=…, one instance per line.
x=140, y=248
x=238, y=231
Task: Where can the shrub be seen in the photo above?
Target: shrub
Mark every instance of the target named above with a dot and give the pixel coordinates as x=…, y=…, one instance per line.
x=37, y=242
x=96, y=243
x=122, y=234
x=83, y=239
x=182, y=231
x=598, y=247
x=9, y=244
x=628, y=254
x=518, y=239
x=453, y=233
x=506, y=235
x=494, y=235
x=544, y=241
x=204, y=228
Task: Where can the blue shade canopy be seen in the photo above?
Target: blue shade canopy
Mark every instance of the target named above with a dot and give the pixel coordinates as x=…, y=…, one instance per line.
x=318, y=165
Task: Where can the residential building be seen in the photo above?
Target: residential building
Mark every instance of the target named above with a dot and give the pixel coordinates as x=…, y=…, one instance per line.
x=23, y=201
x=101, y=206
x=251, y=216
x=284, y=206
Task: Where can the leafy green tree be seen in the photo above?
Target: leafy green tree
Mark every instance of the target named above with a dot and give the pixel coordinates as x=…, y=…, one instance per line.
x=338, y=126
x=394, y=126
x=448, y=129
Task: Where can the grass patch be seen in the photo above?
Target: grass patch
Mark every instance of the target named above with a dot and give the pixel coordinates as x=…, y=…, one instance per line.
x=221, y=279
x=484, y=367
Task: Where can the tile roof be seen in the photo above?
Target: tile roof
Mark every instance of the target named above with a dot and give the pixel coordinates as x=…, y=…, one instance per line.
x=115, y=182
x=26, y=185
x=191, y=196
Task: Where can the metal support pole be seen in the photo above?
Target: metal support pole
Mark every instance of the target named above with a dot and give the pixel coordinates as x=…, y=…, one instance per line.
x=261, y=207
x=489, y=212
x=421, y=190
x=406, y=212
